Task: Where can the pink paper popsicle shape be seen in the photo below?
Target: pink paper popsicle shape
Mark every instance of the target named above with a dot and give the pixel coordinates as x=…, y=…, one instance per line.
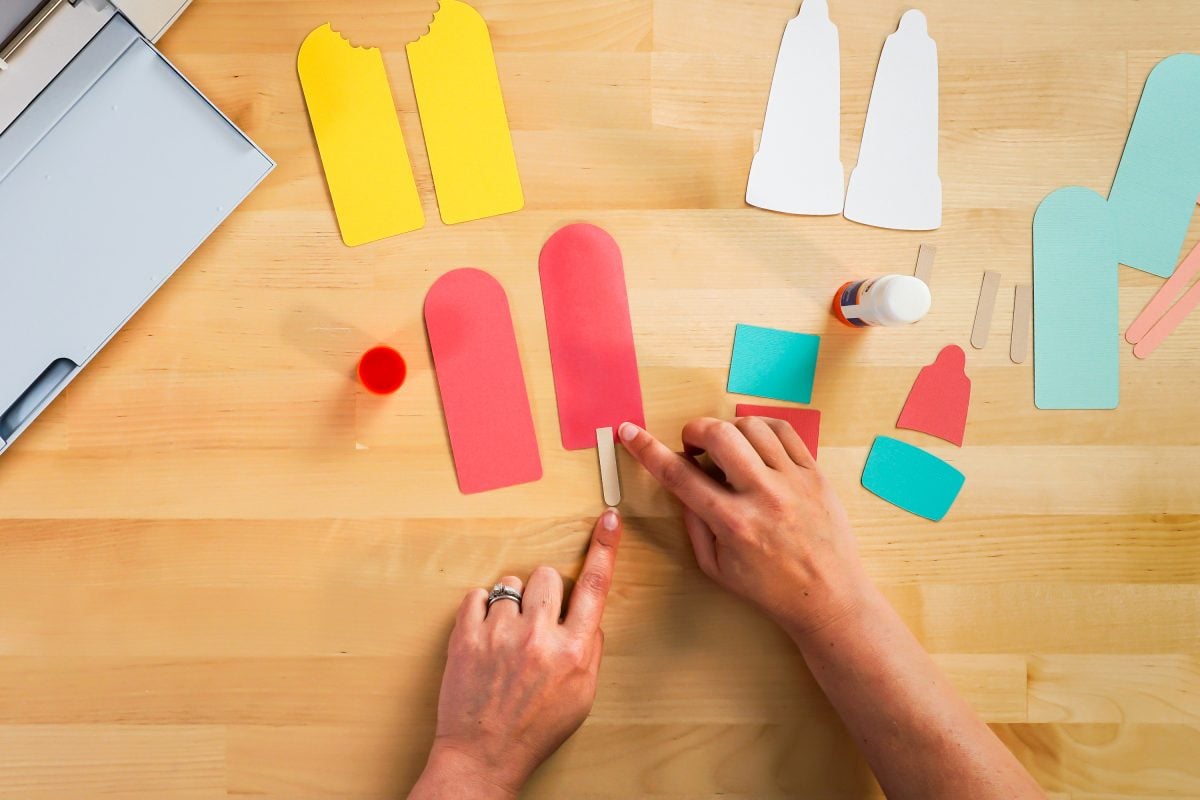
x=1169, y=322
x=1162, y=301
x=940, y=398
x=805, y=421
x=591, y=335
x=481, y=383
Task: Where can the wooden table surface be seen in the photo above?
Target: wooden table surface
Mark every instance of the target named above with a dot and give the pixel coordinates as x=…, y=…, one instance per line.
x=225, y=570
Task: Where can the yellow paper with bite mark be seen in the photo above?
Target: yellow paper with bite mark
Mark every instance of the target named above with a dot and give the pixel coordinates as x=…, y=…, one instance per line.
x=358, y=134
x=462, y=115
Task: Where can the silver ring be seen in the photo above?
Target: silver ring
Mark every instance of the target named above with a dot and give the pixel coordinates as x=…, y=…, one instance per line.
x=502, y=592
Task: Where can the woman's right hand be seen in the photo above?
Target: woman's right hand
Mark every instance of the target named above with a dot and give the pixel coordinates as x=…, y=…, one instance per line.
x=769, y=527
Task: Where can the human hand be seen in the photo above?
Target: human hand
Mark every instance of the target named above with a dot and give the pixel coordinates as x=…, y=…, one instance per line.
x=768, y=527
x=519, y=681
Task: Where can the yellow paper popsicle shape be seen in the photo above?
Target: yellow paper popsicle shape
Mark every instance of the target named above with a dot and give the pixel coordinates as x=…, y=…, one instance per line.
x=358, y=134
x=462, y=114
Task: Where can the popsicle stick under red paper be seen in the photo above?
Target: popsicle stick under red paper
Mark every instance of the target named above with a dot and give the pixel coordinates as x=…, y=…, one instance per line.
x=480, y=379
x=1161, y=303
x=591, y=335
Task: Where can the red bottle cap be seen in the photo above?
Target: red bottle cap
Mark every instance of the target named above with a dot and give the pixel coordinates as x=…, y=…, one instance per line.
x=382, y=370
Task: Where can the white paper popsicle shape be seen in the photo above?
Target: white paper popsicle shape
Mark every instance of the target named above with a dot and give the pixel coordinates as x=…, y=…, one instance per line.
x=896, y=183
x=798, y=168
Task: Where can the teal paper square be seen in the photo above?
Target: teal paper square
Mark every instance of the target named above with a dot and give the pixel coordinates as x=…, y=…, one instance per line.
x=777, y=365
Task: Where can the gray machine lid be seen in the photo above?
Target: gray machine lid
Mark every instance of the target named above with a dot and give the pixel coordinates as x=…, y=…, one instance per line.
x=90, y=232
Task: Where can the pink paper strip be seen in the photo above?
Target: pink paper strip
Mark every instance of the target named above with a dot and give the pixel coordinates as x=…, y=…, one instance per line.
x=1169, y=322
x=481, y=383
x=591, y=335
x=1161, y=302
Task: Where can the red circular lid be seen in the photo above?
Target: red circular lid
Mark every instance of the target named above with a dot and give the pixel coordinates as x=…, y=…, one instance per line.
x=382, y=370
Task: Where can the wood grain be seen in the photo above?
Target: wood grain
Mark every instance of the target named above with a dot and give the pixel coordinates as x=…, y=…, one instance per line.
x=224, y=570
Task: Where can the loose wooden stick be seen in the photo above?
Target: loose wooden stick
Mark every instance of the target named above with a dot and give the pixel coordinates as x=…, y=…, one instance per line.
x=985, y=309
x=925, y=256
x=1022, y=315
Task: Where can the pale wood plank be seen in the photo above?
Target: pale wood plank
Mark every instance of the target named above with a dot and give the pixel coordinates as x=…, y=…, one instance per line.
x=38, y=762
x=1116, y=689
x=1130, y=760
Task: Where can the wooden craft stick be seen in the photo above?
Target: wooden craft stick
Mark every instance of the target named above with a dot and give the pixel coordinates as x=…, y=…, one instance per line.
x=1169, y=322
x=925, y=257
x=985, y=309
x=1018, y=350
x=1161, y=302
x=610, y=479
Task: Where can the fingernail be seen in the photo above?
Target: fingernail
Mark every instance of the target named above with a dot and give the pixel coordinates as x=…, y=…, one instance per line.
x=611, y=519
x=628, y=431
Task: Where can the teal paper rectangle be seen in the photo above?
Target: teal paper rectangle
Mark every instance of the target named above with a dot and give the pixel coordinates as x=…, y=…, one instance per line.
x=1076, y=330
x=1153, y=197
x=777, y=365
x=911, y=478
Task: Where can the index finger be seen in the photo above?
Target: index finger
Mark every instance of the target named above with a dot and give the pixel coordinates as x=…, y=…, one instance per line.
x=678, y=475
x=586, y=606
x=728, y=447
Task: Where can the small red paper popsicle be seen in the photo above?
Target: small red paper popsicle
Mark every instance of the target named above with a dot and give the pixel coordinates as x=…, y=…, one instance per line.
x=591, y=335
x=805, y=421
x=481, y=383
x=939, y=399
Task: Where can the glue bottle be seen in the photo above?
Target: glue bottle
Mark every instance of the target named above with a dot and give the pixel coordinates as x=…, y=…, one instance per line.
x=890, y=300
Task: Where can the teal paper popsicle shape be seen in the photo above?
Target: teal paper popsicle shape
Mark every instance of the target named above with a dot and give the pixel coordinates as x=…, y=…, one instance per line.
x=1154, y=194
x=1076, y=336
x=778, y=365
x=912, y=479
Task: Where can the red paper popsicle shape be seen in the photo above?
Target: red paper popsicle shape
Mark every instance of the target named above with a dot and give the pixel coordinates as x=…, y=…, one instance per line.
x=805, y=421
x=481, y=383
x=591, y=336
x=939, y=399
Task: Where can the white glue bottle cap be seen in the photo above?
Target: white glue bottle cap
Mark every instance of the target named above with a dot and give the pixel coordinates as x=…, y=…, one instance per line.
x=889, y=301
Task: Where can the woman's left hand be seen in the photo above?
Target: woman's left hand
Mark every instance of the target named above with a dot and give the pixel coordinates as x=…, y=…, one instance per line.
x=520, y=678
